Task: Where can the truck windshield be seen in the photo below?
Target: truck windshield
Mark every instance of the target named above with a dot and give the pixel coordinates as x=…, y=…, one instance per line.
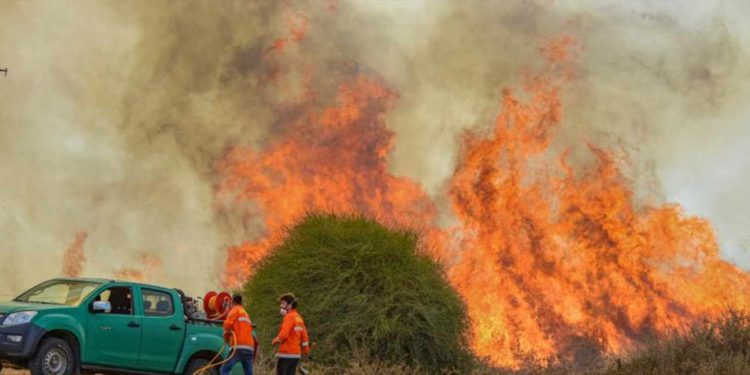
x=59, y=292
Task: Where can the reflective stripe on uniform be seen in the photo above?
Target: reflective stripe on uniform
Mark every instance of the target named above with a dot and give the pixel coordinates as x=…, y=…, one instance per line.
x=305, y=343
x=250, y=348
x=280, y=355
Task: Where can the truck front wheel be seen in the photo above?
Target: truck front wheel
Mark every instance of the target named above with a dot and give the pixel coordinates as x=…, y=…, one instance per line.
x=199, y=363
x=54, y=357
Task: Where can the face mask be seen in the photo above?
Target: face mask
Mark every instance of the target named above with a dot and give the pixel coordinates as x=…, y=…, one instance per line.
x=285, y=310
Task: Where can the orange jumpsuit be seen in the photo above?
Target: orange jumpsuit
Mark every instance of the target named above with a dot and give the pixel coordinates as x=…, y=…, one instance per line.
x=239, y=322
x=292, y=336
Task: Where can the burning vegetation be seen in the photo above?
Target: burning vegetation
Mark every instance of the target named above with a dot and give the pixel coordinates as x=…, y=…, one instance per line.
x=150, y=265
x=553, y=262
x=555, y=259
x=74, y=257
x=329, y=160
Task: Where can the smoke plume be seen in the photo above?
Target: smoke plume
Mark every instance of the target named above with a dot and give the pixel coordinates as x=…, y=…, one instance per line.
x=114, y=115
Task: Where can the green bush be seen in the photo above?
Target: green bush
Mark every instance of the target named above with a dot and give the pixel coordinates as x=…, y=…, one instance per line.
x=365, y=292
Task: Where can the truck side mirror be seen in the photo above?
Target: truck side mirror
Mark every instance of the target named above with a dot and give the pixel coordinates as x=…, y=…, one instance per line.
x=101, y=307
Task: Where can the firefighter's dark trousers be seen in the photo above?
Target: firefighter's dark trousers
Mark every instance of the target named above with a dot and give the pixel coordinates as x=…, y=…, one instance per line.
x=243, y=356
x=286, y=366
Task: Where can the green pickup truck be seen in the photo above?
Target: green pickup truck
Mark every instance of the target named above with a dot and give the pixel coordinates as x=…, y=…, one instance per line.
x=74, y=325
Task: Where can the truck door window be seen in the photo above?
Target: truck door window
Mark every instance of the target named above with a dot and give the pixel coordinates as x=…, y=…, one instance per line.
x=157, y=303
x=121, y=299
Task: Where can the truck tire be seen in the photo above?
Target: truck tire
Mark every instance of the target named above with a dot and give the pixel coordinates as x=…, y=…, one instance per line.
x=199, y=363
x=53, y=357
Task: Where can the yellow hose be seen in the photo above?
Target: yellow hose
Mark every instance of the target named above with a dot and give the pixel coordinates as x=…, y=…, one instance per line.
x=210, y=364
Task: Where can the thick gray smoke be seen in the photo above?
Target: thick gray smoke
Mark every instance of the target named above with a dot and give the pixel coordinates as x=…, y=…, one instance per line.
x=113, y=114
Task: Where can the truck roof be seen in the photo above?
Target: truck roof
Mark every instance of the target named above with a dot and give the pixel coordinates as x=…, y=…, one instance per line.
x=107, y=281
x=89, y=279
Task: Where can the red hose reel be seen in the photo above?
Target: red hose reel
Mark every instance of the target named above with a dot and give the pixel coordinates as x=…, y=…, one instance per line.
x=217, y=305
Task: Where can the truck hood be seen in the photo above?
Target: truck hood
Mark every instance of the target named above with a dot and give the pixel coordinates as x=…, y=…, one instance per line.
x=10, y=307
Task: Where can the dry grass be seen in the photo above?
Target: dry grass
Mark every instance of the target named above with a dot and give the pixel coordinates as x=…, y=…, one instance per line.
x=720, y=347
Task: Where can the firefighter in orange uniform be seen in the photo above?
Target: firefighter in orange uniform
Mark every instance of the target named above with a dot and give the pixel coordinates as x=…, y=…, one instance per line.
x=292, y=338
x=238, y=332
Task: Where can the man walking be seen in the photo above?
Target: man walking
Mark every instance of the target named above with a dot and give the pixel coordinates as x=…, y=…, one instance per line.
x=292, y=338
x=238, y=332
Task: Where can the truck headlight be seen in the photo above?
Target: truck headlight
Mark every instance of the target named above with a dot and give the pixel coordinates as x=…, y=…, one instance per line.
x=21, y=317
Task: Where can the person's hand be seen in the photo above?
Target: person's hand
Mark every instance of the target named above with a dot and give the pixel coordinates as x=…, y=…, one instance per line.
x=275, y=341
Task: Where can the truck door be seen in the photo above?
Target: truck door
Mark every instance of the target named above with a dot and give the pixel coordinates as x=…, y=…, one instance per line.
x=114, y=337
x=163, y=331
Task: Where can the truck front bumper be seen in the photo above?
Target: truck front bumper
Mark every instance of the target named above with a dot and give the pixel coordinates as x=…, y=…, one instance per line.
x=19, y=341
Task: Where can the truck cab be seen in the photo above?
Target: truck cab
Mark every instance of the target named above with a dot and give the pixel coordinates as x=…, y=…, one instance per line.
x=65, y=326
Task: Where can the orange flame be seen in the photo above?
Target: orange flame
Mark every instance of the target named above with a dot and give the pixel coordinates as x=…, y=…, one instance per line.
x=73, y=257
x=553, y=263
x=554, y=266
x=151, y=265
x=334, y=160
x=296, y=28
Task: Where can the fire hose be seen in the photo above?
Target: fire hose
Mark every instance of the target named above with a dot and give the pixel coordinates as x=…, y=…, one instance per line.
x=216, y=306
x=211, y=363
